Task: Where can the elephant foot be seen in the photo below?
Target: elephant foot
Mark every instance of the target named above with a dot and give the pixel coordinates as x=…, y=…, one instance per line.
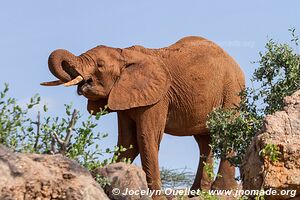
x=206, y=185
x=223, y=183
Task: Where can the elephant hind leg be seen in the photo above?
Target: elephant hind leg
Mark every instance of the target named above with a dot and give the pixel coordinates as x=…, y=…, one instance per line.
x=226, y=172
x=202, y=180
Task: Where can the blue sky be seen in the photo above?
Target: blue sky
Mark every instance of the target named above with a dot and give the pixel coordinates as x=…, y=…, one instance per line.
x=30, y=30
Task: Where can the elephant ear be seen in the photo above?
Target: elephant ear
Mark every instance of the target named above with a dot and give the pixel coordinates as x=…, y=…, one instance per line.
x=144, y=81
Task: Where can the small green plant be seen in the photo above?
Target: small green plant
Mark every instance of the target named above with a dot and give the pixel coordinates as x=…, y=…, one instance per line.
x=271, y=152
x=209, y=170
x=103, y=181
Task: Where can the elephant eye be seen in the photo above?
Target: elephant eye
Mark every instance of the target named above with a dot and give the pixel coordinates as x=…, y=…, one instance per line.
x=100, y=63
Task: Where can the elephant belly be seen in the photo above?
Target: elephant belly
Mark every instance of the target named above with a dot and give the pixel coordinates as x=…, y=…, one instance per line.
x=188, y=131
x=180, y=124
x=188, y=116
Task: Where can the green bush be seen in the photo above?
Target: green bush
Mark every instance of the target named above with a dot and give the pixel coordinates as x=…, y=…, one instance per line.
x=15, y=127
x=233, y=129
x=277, y=76
x=72, y=135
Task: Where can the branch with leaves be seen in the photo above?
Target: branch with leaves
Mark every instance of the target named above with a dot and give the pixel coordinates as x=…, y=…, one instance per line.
x=64, y=143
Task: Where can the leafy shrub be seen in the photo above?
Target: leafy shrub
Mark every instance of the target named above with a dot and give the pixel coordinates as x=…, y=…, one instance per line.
x=15, y=126
x=277, y=76
x=71, y=135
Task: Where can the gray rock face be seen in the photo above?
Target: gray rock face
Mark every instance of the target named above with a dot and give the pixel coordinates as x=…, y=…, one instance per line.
x=33, y=176
x=282, y=129
x=123, y=177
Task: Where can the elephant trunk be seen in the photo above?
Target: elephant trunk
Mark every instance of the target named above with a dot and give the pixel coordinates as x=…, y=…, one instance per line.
x=62, y=65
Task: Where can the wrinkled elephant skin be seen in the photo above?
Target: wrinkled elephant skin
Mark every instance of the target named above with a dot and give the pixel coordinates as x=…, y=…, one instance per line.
x=155, y=91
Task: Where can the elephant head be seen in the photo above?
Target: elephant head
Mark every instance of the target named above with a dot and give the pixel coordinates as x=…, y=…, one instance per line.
x=120, y=78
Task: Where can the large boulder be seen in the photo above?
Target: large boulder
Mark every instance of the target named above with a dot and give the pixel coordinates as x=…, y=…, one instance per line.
x=33, y=176
x=283, y=130
x=122, y=178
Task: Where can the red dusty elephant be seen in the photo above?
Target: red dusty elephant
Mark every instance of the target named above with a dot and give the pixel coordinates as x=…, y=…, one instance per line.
x=156, y=91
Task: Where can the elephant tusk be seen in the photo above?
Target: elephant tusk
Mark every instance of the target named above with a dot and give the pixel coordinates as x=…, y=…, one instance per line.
x=75, y=81
x=52, y=83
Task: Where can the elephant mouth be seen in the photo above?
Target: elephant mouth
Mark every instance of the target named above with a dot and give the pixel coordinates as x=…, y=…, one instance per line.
x=83, y=86
x=90, y=89
x=87, y=89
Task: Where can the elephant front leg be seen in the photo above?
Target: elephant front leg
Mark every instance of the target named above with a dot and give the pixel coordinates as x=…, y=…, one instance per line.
x=148, y=143
x=150, y=128
x=149, y=157
x=127, y=138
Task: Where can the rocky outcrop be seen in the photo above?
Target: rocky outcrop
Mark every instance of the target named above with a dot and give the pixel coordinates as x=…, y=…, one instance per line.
x=122, y=178
x=45, y=177
x=283, y=130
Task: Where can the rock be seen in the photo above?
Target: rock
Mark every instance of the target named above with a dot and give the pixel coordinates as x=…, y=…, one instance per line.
x=43, y=177
x=123, y=177
x=282, y=129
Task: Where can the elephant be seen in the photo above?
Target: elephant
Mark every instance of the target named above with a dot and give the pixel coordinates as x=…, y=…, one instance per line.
x=155, y=91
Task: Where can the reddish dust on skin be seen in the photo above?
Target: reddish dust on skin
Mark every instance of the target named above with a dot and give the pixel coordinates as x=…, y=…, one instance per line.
x=170, y=90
